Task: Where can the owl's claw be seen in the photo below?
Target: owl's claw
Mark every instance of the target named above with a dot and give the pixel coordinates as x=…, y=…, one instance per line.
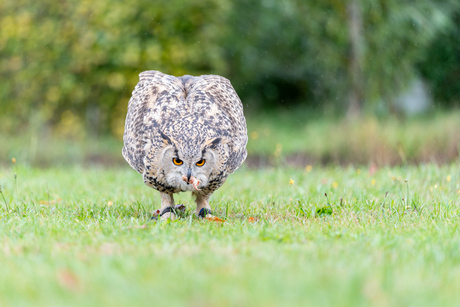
x=170, y=212
x=205, y=212
x=168, y=215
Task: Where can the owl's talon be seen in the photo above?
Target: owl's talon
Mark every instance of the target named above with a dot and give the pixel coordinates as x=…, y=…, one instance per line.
x=167, y=216
x=168, y=212
x=205, y=212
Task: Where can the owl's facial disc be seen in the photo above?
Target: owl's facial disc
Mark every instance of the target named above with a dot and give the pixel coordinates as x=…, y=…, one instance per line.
x=187, y=173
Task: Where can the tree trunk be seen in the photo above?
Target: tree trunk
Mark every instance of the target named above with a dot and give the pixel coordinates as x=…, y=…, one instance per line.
x=355, y=68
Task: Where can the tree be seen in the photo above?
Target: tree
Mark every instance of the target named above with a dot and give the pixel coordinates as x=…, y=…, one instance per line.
x=342, y=54
x=72, y=62
x=440, y=65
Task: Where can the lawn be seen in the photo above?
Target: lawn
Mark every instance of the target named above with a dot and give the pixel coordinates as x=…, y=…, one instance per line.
x=83, y=236
x=284, y=138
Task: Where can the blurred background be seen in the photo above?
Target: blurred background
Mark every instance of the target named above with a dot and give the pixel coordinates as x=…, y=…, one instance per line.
x=323, y=82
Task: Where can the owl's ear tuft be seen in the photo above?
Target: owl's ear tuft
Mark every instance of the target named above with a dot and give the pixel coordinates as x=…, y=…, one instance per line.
x=166, y=139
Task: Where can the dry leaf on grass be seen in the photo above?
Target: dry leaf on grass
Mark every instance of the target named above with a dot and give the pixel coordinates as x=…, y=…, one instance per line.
x=54, y=201
x=215, y=219
x=252, y=219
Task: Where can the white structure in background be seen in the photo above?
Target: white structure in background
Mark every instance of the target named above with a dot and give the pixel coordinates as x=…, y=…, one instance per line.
x=415, y=99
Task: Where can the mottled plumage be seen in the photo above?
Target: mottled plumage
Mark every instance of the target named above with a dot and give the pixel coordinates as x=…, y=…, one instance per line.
x=190, y=119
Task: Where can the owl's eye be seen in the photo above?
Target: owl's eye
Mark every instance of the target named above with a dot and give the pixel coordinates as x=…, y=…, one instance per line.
x=177, y=161
x=201, y=162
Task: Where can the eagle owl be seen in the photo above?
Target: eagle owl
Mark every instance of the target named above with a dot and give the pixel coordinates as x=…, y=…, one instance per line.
x=184, y=134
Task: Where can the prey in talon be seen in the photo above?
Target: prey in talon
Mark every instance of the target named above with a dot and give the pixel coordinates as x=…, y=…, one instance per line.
x=192, y=180
x=184, y=134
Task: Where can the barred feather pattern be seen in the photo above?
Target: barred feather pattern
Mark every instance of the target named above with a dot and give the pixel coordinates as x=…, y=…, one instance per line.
x=191, y=111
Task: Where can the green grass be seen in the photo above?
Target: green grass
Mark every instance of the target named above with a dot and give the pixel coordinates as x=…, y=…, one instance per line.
x=387, y=141
x=61, y=243
x=300, y=136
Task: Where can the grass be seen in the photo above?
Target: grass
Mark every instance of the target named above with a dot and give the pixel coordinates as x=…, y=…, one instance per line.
x=300, y=136
x=432, y=138
x=83, y=236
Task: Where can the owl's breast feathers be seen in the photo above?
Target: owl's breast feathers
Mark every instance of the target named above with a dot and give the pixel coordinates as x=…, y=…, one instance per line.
x=188, y=109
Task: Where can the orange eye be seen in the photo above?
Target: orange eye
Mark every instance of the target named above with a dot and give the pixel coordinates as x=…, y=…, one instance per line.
x=177, y=161
x=201, y=162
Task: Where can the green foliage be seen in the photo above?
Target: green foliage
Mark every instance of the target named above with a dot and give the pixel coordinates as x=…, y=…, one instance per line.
x=441, y=64
x=73, y=60
x=70, y=66
x=300, y=50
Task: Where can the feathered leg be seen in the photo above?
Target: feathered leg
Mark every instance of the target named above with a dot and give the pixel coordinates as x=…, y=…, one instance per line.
x=167, y=201
x=202, y=206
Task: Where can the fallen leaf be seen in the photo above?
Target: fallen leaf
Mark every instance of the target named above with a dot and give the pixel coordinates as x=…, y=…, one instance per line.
x=215, y=219
x=251, y=219
x=44, y=202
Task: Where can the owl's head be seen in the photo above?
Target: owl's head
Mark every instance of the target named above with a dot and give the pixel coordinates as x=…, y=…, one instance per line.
x=187, y=164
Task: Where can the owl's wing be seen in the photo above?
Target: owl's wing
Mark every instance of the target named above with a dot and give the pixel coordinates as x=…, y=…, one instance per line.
x=154, y=92
x=224, y=113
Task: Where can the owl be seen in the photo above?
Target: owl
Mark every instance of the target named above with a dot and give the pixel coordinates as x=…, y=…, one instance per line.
x=184, y=134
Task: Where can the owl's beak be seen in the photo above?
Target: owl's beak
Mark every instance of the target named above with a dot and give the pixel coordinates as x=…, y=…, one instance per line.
x=187, y=178
x=189, y=174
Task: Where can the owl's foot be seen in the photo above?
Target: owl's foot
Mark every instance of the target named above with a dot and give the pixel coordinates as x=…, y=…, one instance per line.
x=205, y=212
x=167, y=207
x=168, y=213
